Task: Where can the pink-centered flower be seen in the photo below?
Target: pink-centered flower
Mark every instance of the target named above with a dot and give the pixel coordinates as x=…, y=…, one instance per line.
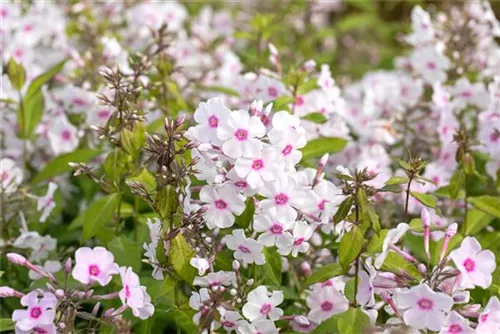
x=259, y=326
x=423, y=308
x=94, y=265
x=476, y=266
x=275, y=229
x=325, y=302
x=489, y=319
x=209, y=116
x=455, y=323
x=39, y=313
x=262, y=304
x=240, y=135
x=301, y=233
x=222, y=203
x=282, y=194
x=10, y=176
x=259, y=169
x=134, y=295
x=245, y=249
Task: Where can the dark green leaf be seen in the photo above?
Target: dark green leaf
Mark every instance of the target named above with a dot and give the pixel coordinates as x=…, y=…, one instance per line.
x=40, y=80
x=375, y=243
x=115, y=164
x=99, y=214
x=127, y=252
x=60, y=164
x=353, y=321
x=246, y=217
x=343, y=210
x=350, y=247
x=167, y=204
x=6, y=324
x=324, y=273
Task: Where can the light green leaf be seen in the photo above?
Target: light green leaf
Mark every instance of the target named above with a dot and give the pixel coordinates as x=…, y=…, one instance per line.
x=324, y=273
x=353, y=321
x=476, y=221
x=6, y=324
x=179, y=256
x=60, y=164
x=30, y=113
x=350, y=247
x=307, y=86
x=396, y=180
x=167, y=204
x=127, y=252
x=40, y=80
x=486, y=203
x=16, y=74
x=272, y=267
x=318, y=147
x=375, y=243
x=99, y=214
x=425, y=199
x=315, y=117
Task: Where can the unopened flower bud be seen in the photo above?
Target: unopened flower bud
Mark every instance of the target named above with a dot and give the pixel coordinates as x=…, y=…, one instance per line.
x=68, y=265
x=426, y=218
x=323, y=160
x=309, y=65
x=96, y=309
x=459, y=298
x=7, y=292
x=452, y=230
x=59, y=293
x=250, y=282
x=16, y=259
x=108, y=313
x=62, y=325
x=301, y=320
x=236, y=265
x=238, y=300
x=306, y=268
x=422, y=269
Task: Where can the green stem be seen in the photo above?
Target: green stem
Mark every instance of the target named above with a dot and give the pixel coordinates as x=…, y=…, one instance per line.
x=118, y=216
x=464, y=229
x=407, y=197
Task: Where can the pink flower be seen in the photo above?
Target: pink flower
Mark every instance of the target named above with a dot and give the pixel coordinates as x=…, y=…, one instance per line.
x=424, y=308
x=455, y=323
x=262, y=304
x=275, y=228
x=489, y=320
x=301, y=233
x=282, y=194
x=10, y=176
x=223, y=202
x=476, y=265
x=239, y=134
x=40, y=313
x=246, y=250
x=325, y=302
x=134, y=295
x=46, y=203
x=259, y=326
x=225, y=278
x=391, y=238
x=259, y=169
x=94, y=265
x=230, y=320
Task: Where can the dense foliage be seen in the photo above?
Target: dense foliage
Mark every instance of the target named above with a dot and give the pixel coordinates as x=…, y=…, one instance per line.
x=250, y=167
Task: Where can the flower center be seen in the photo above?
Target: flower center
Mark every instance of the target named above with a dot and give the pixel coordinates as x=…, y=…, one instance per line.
x=4, y=176
x=272, y=91
x=495, y=136
x=299, y=101
x=241, y=184
x=127, y=290
x=66, y=135
x=425, y=304
x=469, y=265
x=79, y=102
x=326, y=306
x=466, y=94
x=103, y=114
x=28, y=28
x=241, y=134
x=220, y=204
x=281, y=199
x=321, y=204
x=287, y=150
x=94, y=270
x=213, y=121
x=484, y=317
x=298, y=242
x=276, y=229
x=265, y=309
x=431, y=65
x=258, y=164
x=244, y=249
x=227, y=323
x=455, y=328
x=35, y=312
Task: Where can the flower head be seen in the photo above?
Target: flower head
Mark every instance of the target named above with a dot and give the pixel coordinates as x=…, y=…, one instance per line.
x=134, y=295
x=246, y=250
x=262, y=304
x=40, y=312
x=94, y=265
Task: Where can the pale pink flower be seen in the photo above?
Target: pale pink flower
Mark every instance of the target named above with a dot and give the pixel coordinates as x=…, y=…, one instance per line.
x=324, y=194
x=240, y=183
x=391, y=238
x=489, y=319
x=455, y=323
x=209, y=116
x=476, y=266
x=262, y=304
x=201, y=264
x=259, y=326
x=46, y=203
x=63, y=136
x=424, y=308
x=230, y=320
x=282, y=194
x=240, y=135
x=301, y=233
x=246, y=250
x=134, y=295
x=430, y=64
x=197, y=302
x=325, y=302
x=10, y=175
x=275, y=228
x=223, y=202
x=40, y=312
x=95, y=264
x=259, y=169
x=220, y=278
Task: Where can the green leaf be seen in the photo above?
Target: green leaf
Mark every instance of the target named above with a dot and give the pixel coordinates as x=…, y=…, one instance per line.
x=375, y=220
x=316, y=117
x=307, y=86
x=179, y=256
x=16, y=73
x=476, y=221
x=394, y=262
x=223, y=90
x=457, y=183
x=396, y=180
x=272, y=267
x=324, y=273
x=127, y=252
x=146, y=179
x=6, y=324
x=30, y=113
x=486, y=203
x=353, y=321
x=115, y=164
x=40, y=80
x=318, y=147
x=350, y=247
x=60, y=164
x=133, y=141
x=99, y=214
x=184, y=319
x=425, y=199
x=167, y=204
x=343, y=210
x=282, y=102
x=376, y=242
x=405, y=165
x=349, y=290
x=246, y=217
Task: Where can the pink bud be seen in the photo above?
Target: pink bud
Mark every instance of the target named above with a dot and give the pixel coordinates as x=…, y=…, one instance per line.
x=108, y=313
x=7, y=291
x=68, y=265
x=426, y=219
x=16, y=259
x=301, y=320
x=96, y=309
x=306, y=268
x=426, y=223
x=309, y=65
x=323, y=160
x=452, y=230
x=422, y=269
x=59, y=293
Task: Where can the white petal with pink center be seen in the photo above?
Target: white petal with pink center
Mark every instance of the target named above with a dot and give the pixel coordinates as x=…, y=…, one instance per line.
x=94, y=265
x=455, y=323
x=262, y=304
x=223, y=202
x=258, y=170
x=275, y=229
x=39, y=312
x=325, y=302
x=209, y=116
x=245, y=249
x=134, y=295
